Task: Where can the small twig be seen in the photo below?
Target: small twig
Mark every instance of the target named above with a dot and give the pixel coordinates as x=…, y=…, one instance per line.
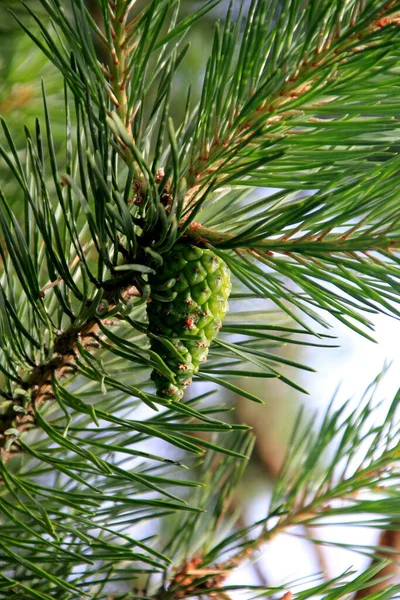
x=71, y=266
x=319, y=553
x=255, y=565
x=262, y=579
x=119, y=16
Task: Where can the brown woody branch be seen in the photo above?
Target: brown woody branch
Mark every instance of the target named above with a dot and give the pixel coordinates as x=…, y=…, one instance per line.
x=38, y=384
x=284, y=244
x=390, y=540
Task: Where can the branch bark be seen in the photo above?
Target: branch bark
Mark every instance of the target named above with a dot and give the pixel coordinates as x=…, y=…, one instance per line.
x=38, y=383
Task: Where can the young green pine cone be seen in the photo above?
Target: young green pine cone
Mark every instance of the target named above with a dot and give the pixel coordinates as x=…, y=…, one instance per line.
x=189, y=299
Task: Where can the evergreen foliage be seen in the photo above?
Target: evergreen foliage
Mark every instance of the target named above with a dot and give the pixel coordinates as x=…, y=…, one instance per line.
x=298, y=95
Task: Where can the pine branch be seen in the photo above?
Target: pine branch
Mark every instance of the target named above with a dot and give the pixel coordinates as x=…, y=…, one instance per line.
x=39, y=383
x=93, y=231
x=338, y=55
x=308, y=495
x=70, y=267
x=258, y=120
x=360, y=230
x=343, y=252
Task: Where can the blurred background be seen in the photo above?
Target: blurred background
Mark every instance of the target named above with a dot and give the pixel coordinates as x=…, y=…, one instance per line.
x=345, y=371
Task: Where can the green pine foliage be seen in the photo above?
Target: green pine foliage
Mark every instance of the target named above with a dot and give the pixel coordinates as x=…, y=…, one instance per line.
x=128, y=200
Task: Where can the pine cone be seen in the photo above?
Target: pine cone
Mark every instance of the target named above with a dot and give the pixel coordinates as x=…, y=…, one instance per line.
x=189, y=296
